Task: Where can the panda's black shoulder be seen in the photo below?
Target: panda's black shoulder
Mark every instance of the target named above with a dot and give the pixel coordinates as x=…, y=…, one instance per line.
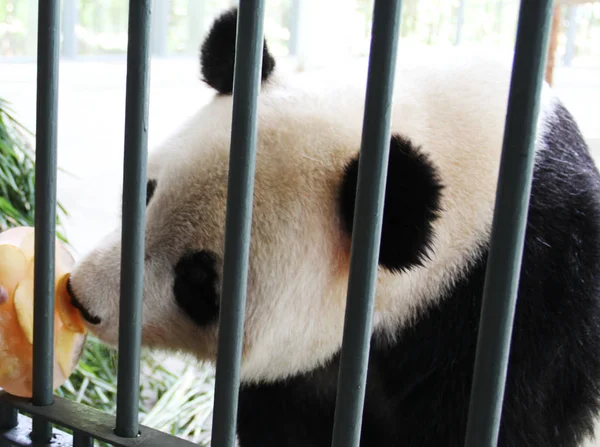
x=418, y=386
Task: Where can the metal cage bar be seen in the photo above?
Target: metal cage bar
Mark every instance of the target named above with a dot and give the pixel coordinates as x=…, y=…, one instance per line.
x=81, y=439
x=246, y=82
x=20, y=436
x=97, y=424
x=134, y=211
x=508, y=227
x=368, y=215
x=9, y=416
x=45, y=210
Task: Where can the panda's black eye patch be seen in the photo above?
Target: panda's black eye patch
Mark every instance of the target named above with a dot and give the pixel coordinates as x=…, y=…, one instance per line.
x=195, y=286
x=150, y=188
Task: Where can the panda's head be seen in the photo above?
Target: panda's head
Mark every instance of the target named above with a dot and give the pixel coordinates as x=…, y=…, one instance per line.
x=439, y=200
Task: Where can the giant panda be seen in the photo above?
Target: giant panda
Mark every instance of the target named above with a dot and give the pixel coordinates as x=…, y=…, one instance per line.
x=448, y=118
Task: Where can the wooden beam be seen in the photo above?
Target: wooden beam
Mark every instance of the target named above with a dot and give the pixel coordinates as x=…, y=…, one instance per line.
x=553, y=44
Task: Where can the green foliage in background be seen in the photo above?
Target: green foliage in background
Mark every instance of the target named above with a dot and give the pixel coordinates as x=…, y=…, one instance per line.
x=17, y=174
x=177, y=401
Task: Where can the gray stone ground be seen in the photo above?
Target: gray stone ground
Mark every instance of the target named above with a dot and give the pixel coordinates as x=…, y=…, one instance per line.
x=91, y=127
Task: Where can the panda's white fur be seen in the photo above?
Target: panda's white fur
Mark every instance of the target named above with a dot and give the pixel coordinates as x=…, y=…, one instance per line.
x=309, y=128
x=307, y=133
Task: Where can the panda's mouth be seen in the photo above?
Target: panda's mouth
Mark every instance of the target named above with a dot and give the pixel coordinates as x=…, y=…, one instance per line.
x=92, y=319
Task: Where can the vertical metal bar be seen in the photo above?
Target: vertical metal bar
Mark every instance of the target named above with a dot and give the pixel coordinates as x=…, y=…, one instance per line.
x=246, y=82
x=31, y=23
x=45, y=210
x=134, y=210
x=159, y=29
x=508, y=228
x=570, y=47
x=8, y=416
x=460, y=21
x=197, y=10
x=82, y=440
x=372, y=175
x=294, y=26
x=70, y=21
x=499, y=22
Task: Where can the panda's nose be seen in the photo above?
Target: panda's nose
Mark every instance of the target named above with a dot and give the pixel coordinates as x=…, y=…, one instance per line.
x=84, y=312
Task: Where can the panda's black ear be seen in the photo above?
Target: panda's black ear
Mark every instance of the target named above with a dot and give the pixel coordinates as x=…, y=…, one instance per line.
x=217, y=54
x=412, y=203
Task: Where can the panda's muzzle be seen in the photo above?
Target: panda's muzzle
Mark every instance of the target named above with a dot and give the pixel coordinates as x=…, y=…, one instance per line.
x=84, y=312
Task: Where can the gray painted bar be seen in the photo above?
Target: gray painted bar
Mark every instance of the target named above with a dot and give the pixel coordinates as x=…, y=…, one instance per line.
x=246, y=82
x=368, y=214
x=20, y=435
x=82, y=440
x=134, y=211
x=508, y=228
x=70, y=20
x=45, y=210
x=9, y=416
x=85, y=419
